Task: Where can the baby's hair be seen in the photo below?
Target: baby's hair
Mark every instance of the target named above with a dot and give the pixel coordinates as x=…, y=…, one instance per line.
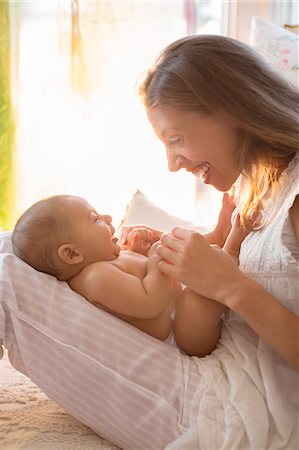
x=219, y=75
x=39, y=232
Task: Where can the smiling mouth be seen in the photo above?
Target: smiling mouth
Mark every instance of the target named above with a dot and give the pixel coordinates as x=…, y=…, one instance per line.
x=201, y=171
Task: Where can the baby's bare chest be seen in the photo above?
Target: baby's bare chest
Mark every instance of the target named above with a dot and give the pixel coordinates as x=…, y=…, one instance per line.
x=131, y=262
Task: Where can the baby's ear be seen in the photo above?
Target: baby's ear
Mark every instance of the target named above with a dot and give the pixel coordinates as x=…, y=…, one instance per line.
x=68, y=254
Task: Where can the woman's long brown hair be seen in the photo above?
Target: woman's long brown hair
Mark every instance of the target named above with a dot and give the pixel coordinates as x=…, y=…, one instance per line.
x=216, y=74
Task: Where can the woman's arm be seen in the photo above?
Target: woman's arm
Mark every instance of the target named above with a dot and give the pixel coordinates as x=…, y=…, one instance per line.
x=272, y=321
x=188, y=257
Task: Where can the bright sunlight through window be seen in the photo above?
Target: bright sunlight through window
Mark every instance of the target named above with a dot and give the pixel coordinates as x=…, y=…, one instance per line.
x=90, y=136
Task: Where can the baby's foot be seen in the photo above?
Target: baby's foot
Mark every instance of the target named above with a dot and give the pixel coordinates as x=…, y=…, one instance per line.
x=224, y=221
x=235, y=238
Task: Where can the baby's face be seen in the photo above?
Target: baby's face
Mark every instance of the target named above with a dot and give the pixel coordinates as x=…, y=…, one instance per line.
x=92, y=233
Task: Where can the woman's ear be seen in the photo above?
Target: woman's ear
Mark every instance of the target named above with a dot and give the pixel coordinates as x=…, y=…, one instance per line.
x=69, y=254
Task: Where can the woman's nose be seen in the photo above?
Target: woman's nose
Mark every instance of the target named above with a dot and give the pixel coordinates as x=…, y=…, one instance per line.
x=174, y=162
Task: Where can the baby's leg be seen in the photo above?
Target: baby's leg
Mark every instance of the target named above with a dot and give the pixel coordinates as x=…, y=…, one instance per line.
x=158, y=327
x=234, y=240
x=223, y=225
x=197, y=323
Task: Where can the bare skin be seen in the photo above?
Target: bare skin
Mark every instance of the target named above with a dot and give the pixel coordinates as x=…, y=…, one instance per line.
x=203, y=315
x=207, y=145
x=185, y=252
x=133, y=288
x=129, y=284
x=197, y=322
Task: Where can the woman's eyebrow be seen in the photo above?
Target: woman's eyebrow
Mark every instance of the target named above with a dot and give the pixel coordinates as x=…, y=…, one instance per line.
x=168, y=129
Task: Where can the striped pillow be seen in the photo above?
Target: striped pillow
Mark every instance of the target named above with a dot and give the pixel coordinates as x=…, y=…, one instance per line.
x=105, y=372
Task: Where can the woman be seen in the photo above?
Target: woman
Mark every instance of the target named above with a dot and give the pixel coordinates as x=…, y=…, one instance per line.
x=224, y=115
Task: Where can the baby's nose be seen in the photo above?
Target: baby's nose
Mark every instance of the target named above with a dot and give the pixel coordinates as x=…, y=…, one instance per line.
x=107, y=219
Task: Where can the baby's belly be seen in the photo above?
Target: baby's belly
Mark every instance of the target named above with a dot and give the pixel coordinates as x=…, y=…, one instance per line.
x=131, y=262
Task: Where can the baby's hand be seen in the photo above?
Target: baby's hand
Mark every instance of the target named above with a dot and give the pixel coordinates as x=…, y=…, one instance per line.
x=125, y=230
x=140, y=240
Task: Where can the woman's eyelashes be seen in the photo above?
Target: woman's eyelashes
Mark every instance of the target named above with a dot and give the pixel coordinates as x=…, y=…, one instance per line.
x=175, y=141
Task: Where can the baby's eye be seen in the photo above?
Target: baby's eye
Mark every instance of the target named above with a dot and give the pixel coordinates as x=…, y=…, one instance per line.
x=96, y=217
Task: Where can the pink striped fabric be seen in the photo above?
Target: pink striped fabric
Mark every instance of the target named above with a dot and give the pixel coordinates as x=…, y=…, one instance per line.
x=130, y=388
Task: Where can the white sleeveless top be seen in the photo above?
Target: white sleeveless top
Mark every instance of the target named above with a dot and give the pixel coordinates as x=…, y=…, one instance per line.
x=251, y=395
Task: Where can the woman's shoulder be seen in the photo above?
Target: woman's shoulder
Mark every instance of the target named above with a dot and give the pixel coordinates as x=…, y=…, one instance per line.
x=294, y=216
x=286, y=191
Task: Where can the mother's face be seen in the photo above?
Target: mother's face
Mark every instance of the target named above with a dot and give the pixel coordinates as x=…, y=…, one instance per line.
x=205, y=145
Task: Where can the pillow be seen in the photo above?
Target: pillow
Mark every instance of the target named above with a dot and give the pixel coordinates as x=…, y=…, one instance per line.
x=103, y=371
x=278, y=45
x=142, y=211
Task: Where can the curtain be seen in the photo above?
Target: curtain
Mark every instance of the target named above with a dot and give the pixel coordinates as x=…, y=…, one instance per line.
x=7, y=135
x=285, y=12
x=82, y=129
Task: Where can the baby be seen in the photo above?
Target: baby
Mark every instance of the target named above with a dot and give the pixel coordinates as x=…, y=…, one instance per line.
x=66, y=237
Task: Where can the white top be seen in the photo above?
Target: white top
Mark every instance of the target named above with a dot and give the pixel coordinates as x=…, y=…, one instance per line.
x=251, y=397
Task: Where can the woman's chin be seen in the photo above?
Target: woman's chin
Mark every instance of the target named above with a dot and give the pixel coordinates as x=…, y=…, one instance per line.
x=222, y=187
x=220, y=184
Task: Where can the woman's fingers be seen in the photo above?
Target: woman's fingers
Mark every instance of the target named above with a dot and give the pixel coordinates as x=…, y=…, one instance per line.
x=170, y=241
x=167, y=268
x=176, y=246
x=182, y=240
x=182, y=233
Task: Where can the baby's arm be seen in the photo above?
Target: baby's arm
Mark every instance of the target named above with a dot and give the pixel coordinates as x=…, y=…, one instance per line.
x=124, y=294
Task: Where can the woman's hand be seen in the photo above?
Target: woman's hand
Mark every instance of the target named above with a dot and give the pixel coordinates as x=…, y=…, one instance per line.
x=209, y=271
x=204, y=268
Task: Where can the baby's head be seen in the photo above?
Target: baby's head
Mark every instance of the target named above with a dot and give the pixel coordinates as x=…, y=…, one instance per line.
x=63, y=234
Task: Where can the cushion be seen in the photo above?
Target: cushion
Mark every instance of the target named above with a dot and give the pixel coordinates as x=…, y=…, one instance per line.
x=141, y=210
x=279, y=45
